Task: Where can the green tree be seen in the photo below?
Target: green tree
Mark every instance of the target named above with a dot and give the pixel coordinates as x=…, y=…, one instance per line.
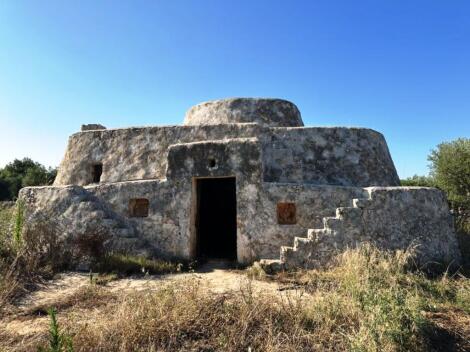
x=22, y=173
x=4, y=190
x=418, y=181
x=450, y=169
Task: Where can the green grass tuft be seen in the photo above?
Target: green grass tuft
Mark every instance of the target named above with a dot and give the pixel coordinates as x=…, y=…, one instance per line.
x=128, y=265
x=18, y=223
x=58, y=342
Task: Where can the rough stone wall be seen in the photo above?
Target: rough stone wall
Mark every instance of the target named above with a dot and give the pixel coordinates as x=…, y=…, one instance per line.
x=312, y=204
x=399, y=216
x=238, y=157
x=167, y=231
x=164, y=232
x=73, y=211
x=337, y=156
x=313, y=177
x=392, y=218
x=328, y=219
x=92, y=126
x=268, y=112
x=135, y=153
x=334, y=156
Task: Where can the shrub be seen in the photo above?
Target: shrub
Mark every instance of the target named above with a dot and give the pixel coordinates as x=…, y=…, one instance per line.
x=58, y=342
x=19, y=222
x=450, y=168
x=22, y=173
x=7, y=211
x=40, y=247
x=128, y=264
x=418, y=181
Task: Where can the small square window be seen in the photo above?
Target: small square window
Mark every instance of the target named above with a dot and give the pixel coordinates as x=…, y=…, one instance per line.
x=286, y=213
x=96, y=172
x=139, y=208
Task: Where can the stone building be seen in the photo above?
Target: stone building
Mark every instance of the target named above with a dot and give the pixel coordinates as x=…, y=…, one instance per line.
x=242, y=179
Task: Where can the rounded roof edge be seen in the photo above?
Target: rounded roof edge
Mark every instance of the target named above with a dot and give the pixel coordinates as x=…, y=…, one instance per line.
x=265, y=111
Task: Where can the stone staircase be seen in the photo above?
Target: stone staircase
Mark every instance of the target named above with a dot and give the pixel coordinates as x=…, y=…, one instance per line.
x=123, y=234
x=320, y=245
x=86, y=210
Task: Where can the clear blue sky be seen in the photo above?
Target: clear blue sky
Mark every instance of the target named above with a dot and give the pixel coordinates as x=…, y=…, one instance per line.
x=400, y=67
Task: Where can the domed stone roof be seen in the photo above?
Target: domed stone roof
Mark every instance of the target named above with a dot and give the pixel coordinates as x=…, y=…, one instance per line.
x=264, y=111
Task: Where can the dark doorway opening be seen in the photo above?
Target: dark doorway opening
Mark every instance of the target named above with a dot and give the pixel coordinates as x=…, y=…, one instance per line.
x=216, y=218
x=96, y=173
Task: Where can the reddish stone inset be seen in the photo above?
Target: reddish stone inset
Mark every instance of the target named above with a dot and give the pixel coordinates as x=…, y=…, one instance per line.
x=139, y=208
x=286, y=213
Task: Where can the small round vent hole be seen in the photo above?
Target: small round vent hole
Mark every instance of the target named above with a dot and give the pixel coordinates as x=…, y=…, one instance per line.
x=212, y=163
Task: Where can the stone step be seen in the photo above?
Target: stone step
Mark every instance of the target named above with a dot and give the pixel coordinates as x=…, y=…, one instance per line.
x=332, y=223
x=317, y=234
x=301, y=242
x=271, y=266
x=361, y=202
x=286, y=248
x=348, y=213
x=286, y=251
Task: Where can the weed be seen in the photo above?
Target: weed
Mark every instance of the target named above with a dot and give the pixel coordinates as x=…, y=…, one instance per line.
x=58, y=342
x=129, y=264
x=19, y=222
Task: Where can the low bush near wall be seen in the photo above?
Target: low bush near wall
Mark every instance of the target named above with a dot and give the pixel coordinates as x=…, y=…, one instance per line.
x=123, y=264
x=33, y=250
x=29, y=254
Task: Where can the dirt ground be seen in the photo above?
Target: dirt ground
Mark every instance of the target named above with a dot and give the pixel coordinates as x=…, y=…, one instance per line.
x=27, y=320
x=28, y=316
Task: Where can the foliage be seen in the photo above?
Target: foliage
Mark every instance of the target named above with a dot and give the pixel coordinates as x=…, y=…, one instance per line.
x=5, y=193
x=7, y=212
x=130, y=264
x=450, y=171
x=41, y=251
x=418, y=181
x=450, y=168
x=23, y=173
x=58, y=342
x=19, y=222
x=36, y=255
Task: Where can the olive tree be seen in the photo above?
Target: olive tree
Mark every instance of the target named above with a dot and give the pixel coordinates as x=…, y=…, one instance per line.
x=23, y=173
x=450, y=170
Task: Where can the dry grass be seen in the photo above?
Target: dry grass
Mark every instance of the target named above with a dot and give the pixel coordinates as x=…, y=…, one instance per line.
x=186, y=317
x=85, y=297
x=368, y=302
x=123, y=264
x=28, y=259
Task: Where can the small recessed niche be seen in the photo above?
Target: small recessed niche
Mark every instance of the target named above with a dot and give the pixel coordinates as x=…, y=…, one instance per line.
x=139, y=208
x=96, y=172
x=212, y=163
x=286, y=213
